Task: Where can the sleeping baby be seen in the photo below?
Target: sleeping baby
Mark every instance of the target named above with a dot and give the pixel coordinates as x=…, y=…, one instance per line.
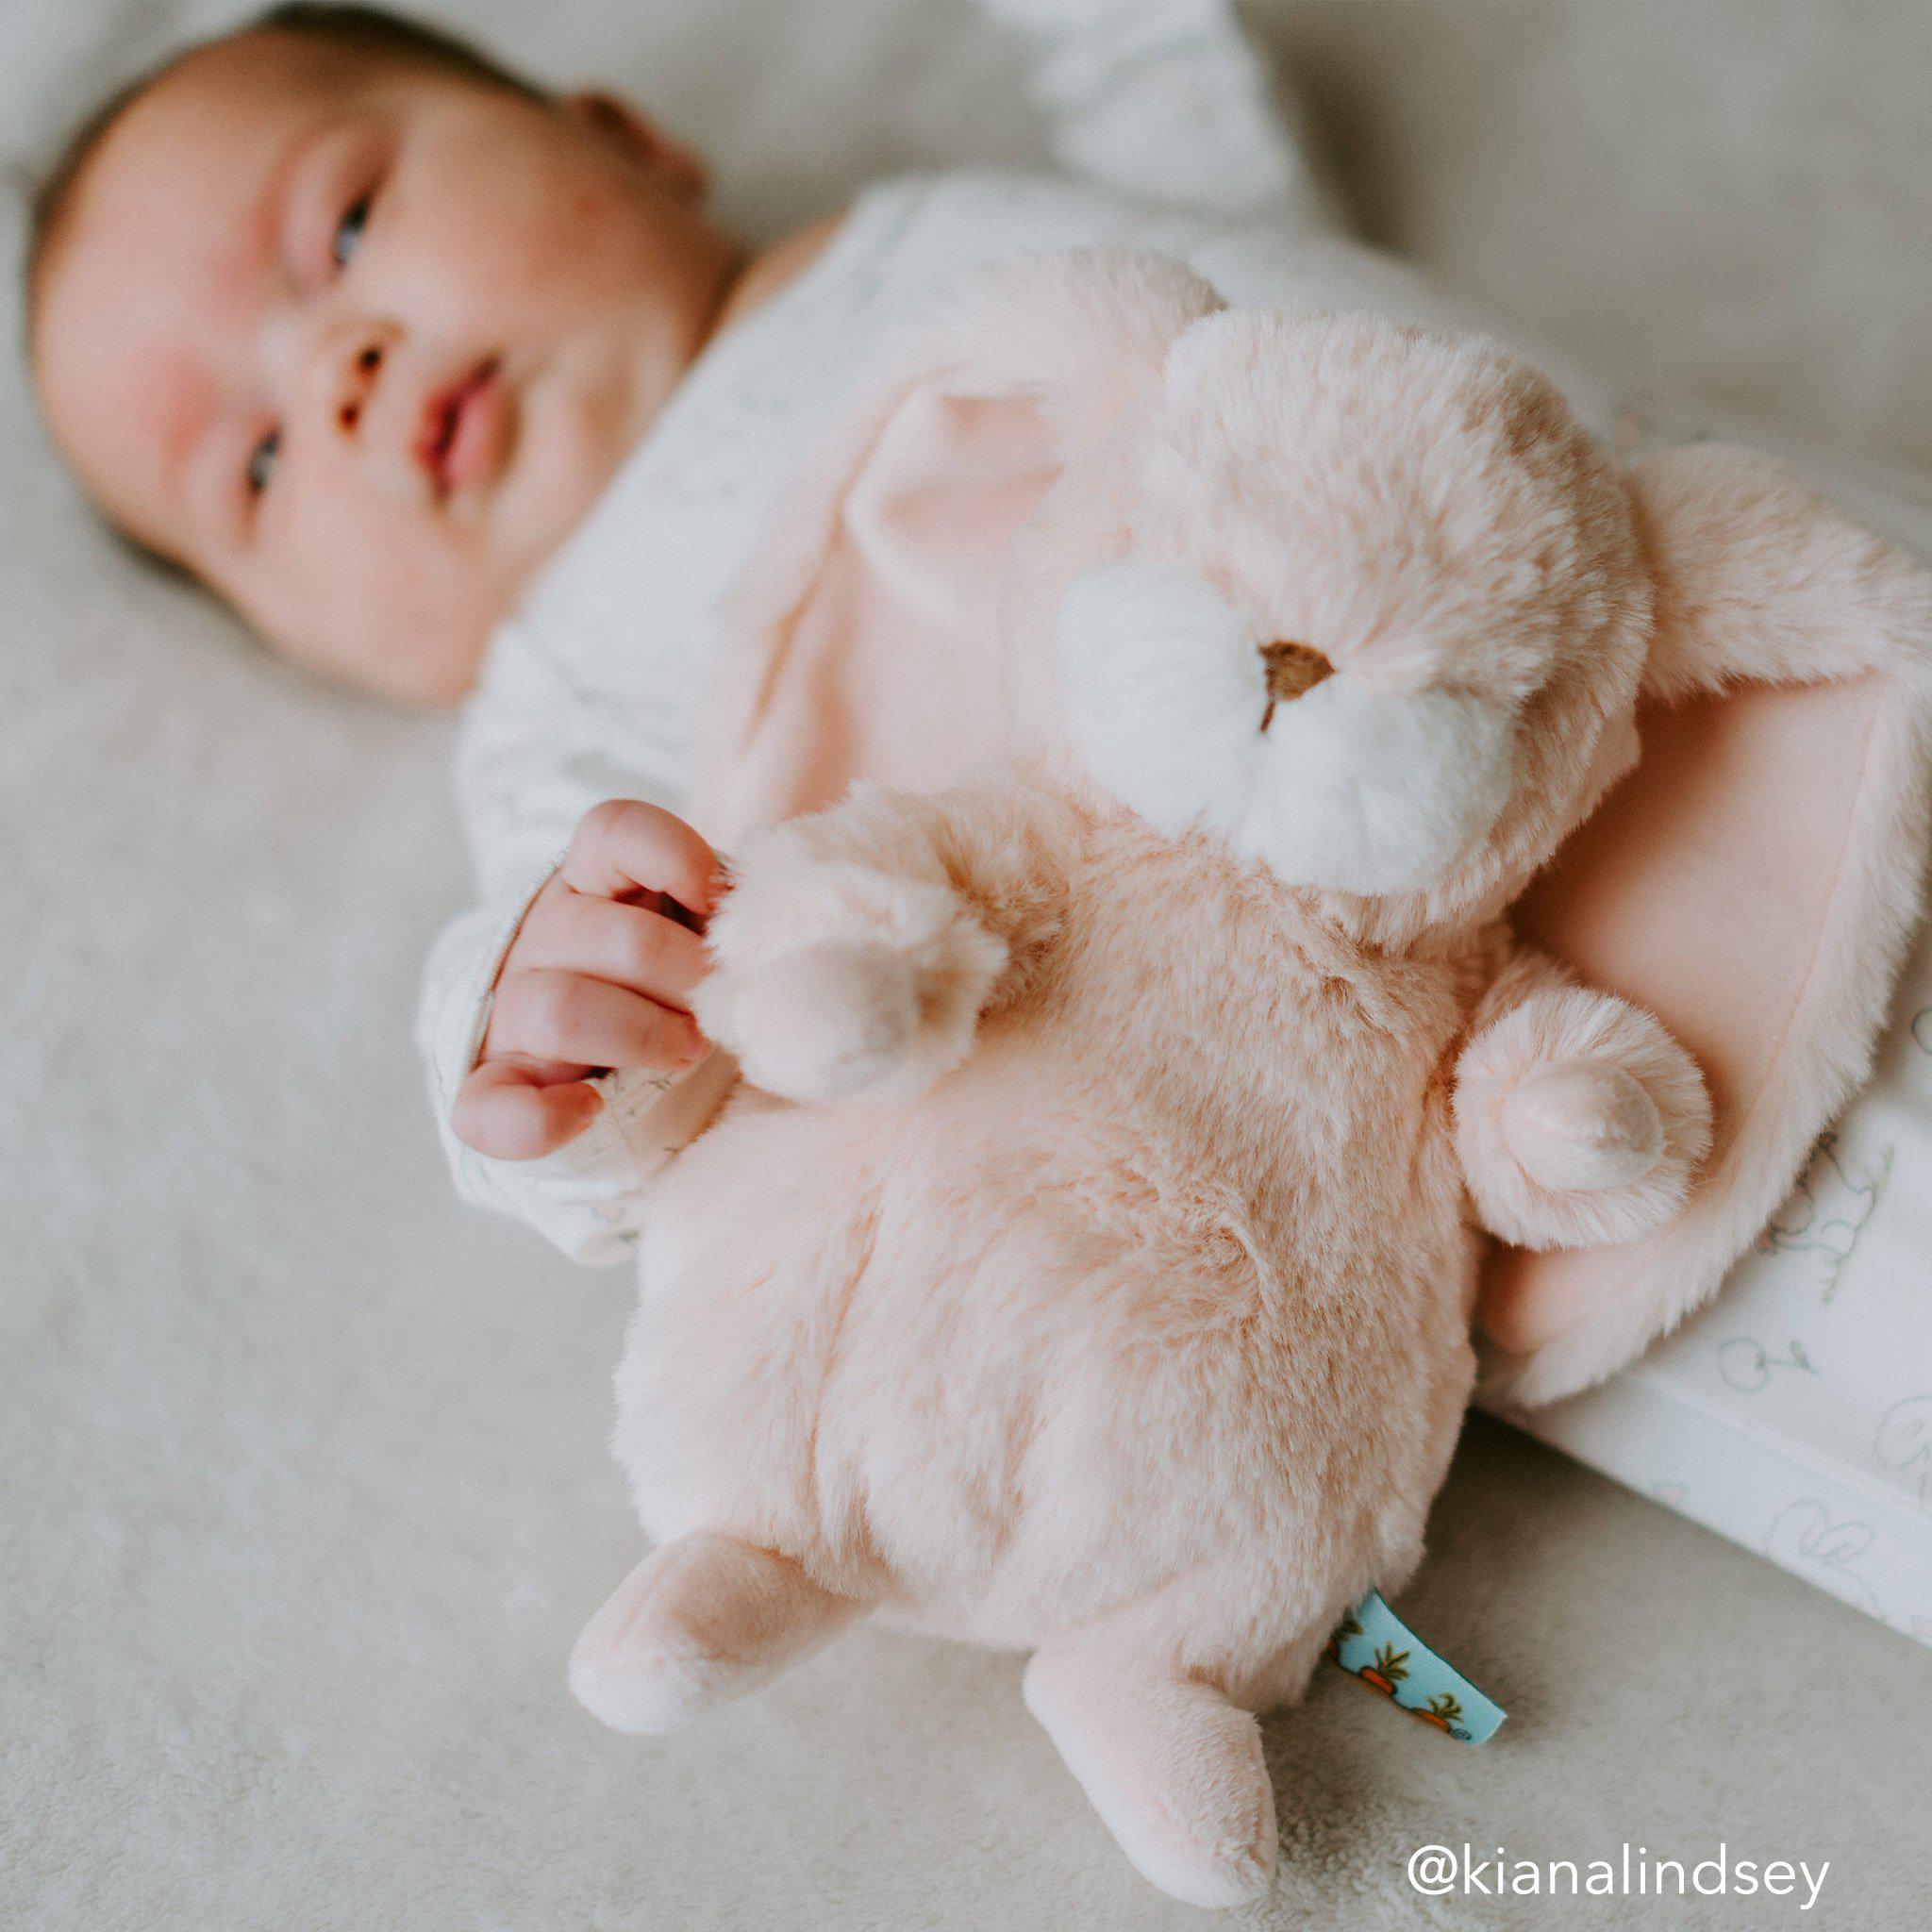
x=452, y=388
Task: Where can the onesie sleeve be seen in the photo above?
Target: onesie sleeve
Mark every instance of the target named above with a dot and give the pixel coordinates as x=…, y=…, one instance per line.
x=1167, y=102
x=532, y=760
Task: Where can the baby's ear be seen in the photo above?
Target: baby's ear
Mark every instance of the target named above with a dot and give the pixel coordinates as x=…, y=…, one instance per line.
x=639, y=138
x=1758, y=579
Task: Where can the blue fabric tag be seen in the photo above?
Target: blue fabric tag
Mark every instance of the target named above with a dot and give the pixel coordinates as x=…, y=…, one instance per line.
x=1375, y=1647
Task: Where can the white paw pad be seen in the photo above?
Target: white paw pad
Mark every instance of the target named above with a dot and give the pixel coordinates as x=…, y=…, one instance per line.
x=1583, y=1127
x=819, y=1022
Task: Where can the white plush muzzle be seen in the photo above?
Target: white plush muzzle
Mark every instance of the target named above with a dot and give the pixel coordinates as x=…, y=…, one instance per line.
x=1349, y=788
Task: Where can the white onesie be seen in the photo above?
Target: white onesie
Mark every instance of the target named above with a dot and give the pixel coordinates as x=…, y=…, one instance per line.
x=1174, y=142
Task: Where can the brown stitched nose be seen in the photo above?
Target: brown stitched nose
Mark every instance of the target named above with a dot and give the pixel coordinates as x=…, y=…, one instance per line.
x=1293, y=670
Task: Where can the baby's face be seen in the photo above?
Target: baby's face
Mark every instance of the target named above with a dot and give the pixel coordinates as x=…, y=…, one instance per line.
x=358, y=341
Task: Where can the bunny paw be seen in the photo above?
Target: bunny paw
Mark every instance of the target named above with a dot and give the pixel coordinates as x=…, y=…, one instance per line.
x=819, y=1021
x=834, y=980
x=1567, y=1149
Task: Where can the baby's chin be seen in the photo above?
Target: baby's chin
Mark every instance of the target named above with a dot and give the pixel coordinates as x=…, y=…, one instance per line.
x=431, y=667
x=411, y=632
x=570, y=440
x=557, y=469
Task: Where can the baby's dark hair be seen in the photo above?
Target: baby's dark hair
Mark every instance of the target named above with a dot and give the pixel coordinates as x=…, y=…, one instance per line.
x=368, y=29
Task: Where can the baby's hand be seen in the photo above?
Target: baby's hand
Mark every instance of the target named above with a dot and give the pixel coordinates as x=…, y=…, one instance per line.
x=598, y=976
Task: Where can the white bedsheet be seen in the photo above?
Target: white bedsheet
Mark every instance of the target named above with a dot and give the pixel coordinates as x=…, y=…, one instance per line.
x=303, y=1486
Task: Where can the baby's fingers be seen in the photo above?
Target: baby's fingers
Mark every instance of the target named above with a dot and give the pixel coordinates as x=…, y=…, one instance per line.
x=545, y=1013
x=631, y=947
x=624, y=846
x=505, y=1111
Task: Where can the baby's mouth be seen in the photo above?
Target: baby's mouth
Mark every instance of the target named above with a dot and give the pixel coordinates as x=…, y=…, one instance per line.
x=464, y=433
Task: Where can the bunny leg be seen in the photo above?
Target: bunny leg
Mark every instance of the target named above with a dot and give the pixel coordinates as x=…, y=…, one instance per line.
x=1172, y=1766
x=858, y=948
x=1578, y=1119
x=701, y=1619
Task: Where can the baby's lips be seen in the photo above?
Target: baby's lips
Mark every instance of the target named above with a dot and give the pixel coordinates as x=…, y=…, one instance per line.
x=465, y=429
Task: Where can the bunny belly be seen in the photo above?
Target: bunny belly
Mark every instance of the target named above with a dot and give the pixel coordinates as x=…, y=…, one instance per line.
x=1102, y=1317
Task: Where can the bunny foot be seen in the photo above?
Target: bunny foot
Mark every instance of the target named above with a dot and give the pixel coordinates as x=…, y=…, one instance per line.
x=1173, y=1766
x=701, y=1619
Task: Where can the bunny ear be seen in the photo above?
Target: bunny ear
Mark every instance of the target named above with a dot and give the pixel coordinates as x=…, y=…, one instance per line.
x=1083, y=333
x=1752, y=883
x=1759, y=579
x=875, y=595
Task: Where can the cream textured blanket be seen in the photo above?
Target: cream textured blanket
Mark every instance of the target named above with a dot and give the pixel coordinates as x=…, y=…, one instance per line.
x=303, y=1483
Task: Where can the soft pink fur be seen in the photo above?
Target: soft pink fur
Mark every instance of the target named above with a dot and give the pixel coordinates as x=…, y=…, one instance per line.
x=1758, y=582
x=1100, y=1286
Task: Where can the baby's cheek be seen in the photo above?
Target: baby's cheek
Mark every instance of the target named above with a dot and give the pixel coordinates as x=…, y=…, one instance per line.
x=588, y=212
x=574, y=249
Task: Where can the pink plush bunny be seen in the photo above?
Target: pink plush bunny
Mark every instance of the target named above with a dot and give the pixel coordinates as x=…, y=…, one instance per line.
x=1087, y=1266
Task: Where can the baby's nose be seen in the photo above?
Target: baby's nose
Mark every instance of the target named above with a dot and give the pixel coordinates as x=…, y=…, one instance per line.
x=358, y=374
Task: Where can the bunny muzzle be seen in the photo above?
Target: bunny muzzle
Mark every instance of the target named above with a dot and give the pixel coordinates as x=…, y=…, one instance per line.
x=1180, y=711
